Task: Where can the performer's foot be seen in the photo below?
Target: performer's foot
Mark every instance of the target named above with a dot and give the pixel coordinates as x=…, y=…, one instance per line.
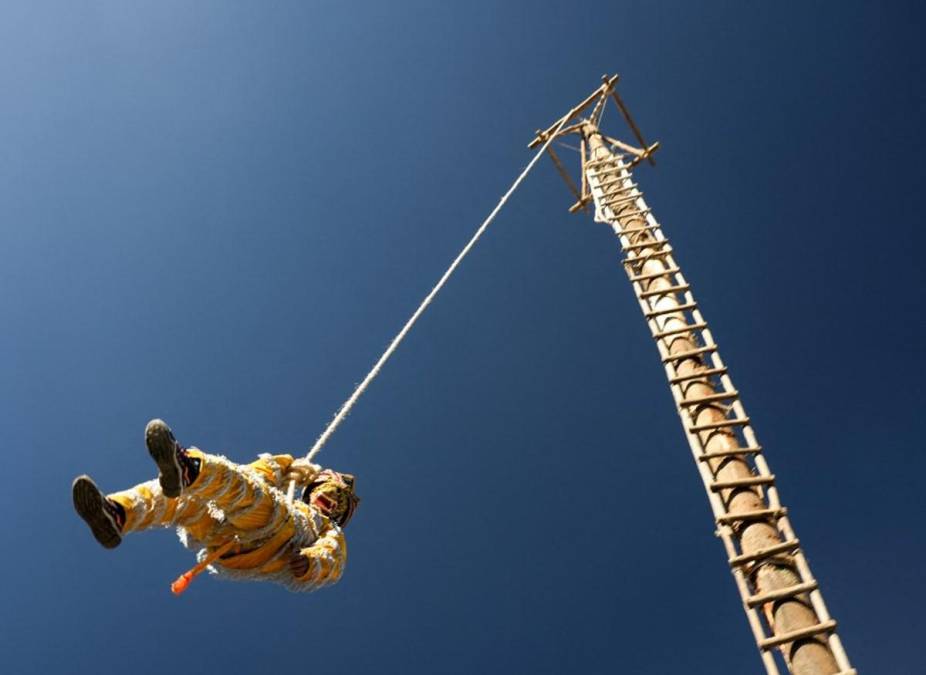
x=177, y=469
x=105, y=517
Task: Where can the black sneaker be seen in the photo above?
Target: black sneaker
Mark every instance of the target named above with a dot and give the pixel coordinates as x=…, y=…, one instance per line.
x=177, y=470
x=105, y=517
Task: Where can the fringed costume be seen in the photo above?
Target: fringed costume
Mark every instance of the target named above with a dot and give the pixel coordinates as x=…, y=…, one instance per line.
x=237, y=516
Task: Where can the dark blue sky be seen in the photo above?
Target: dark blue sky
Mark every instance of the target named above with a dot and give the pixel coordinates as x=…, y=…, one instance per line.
x=220, y=214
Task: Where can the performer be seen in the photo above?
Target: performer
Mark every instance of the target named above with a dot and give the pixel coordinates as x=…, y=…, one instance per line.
x=216, y=503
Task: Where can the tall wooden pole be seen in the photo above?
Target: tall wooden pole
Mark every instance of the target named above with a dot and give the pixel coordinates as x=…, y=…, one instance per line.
x=781, y=598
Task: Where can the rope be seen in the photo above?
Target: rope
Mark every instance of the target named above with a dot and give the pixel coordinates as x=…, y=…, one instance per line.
x=362, y=387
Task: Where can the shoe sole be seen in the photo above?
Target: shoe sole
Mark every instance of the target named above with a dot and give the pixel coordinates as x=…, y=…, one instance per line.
x=162, y=446
x=88, y=502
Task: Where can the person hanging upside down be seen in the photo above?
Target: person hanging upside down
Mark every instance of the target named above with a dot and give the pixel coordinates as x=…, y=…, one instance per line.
x=212, y=501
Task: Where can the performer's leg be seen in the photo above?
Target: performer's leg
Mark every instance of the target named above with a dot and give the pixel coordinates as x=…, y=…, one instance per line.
x=105, y=517
x=212, y=488
x=239, y=494
x=139, y=508
x=145, y=506
x=177, y=467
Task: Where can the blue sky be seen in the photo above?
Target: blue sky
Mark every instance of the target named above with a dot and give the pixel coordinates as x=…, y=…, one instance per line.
x=220, y=214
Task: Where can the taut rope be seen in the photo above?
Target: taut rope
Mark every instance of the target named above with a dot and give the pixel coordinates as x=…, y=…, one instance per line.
x=346, y=408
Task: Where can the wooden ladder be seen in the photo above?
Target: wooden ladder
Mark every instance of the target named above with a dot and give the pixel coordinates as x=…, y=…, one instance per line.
x=781, y=598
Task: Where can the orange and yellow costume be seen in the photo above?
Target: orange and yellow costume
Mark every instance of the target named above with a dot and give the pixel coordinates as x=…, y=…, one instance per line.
x=248, y=505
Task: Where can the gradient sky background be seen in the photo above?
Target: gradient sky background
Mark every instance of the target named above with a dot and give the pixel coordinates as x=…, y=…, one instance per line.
x=220, y=213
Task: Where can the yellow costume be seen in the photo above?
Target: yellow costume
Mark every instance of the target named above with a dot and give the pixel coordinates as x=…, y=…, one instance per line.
x=238, y=517
x=246, y=503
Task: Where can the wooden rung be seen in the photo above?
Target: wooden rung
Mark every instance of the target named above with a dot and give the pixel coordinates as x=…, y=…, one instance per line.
x=654, y=275
x=615, y=181
x=719, y=454
x=608, y=198
x=722, y=424
x=611, y=191
x=710, y=398
x=810, y=631
x=595, y=162
x=707, y=372
x=618, y=197
x=652, y=243
x=611, y=203
x=620, y=180
x=680, y=356
x=780, y=594
x=653, y=255
x=687, y=328
x=758, y=514
x=666, y=291
x=607, y=170
x=645, y=228
x=684, y=307
x=632, y=214
x=763, y=553
x=741, y=482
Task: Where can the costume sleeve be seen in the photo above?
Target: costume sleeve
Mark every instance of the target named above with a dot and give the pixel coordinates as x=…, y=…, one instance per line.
x=273, y=468
x=327, y=557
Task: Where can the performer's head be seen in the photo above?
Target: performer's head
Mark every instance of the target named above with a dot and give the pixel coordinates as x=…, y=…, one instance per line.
x=332, y=493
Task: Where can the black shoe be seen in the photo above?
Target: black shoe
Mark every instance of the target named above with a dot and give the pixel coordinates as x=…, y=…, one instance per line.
x=177, y=470
x=105, y=517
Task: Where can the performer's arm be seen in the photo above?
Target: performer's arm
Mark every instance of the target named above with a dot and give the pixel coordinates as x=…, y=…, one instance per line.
x=323, y=562
x=273, y=468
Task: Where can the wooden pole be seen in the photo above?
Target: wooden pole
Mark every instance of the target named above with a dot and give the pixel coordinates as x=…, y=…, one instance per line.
x=769, y=568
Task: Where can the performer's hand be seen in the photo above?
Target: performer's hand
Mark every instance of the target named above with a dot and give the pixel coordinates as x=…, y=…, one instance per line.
x=298, y=563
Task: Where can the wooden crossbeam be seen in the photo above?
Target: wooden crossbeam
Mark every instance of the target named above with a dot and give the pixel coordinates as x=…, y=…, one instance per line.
x=565, y=174
x=633, y=125
x=607, y=86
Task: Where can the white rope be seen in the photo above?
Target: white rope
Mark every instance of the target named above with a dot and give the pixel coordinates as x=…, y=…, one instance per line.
x=346, y=408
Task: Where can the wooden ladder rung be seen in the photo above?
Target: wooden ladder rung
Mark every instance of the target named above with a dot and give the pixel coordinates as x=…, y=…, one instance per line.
x=655, y=275
x=691, y=353
x=687, y=328
x=763, y=553
x=810, y=631
x=640, y=259
x=752, y=481
x=608, y=183
x=612, y=188
x=758, y=514
x=633, y=213
x=669, y=290
x=611, y=203
x=720, y=454
x=722, y=424
x=780, y=594
x=607, y=170
x=645, y=228
x=707, y=372
x=710, y=398
x=595, y=162
x=619, y=196
x=684, y=307
x=652, y=243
